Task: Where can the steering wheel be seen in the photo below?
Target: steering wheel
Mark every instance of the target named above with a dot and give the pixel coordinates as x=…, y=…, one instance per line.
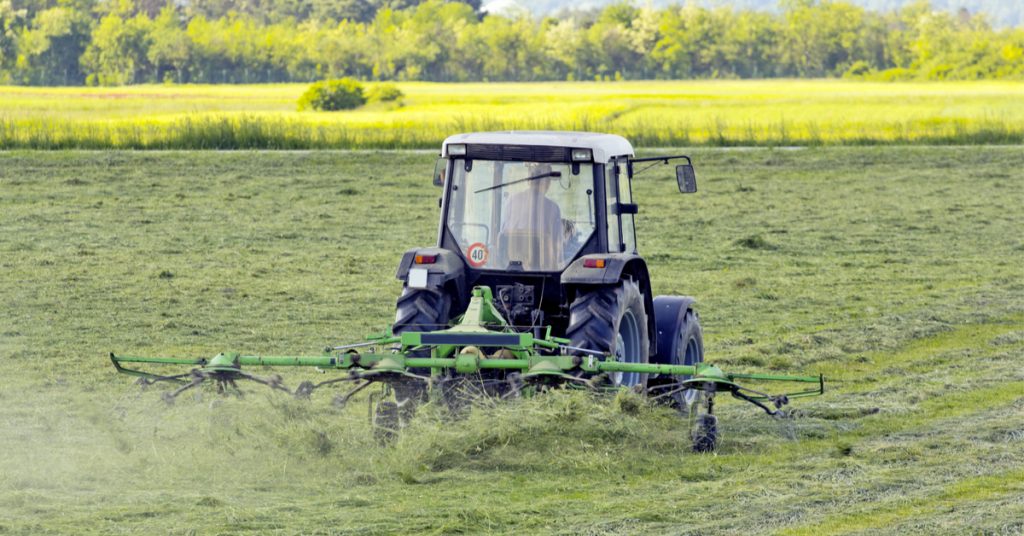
x=458, y=230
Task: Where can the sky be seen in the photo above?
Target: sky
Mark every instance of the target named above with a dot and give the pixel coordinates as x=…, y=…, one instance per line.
x=1001, y=13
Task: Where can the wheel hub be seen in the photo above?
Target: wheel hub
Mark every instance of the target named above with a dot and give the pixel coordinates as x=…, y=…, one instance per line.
x=627, y=350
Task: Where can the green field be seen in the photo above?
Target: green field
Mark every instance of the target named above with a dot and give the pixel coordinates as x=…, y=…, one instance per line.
x=896, y=272
x=651, y=114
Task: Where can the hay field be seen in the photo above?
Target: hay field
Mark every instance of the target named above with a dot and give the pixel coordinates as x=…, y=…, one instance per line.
x=896, y=272
x=651, y=114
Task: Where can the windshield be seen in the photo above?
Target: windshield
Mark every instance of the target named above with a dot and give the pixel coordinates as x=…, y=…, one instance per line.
x=537, y=214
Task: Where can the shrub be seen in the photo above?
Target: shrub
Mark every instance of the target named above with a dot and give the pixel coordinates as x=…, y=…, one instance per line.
x=859, y=69
x=332, y=95
x=896, y=74
x=940, y=72
x=384, y=93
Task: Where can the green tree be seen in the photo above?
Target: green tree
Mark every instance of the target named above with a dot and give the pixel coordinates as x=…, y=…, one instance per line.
x=227, y=41
x=819, y=39
x=119, y=51
x=613, y=47
x=12, y=21
x=170, y=49
x=432, y=37
x=342, y=49
x=50, y=48
x=513, y=49
x=753, y=39
x=343, y=10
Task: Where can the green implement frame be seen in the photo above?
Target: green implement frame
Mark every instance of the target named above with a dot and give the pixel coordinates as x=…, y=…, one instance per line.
x=481, y=341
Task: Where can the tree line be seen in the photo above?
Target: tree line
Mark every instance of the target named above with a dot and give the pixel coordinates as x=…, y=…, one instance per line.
x=117, y=42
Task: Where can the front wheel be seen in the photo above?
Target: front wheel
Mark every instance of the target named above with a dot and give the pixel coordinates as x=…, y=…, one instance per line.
x=690, y=351
x=680, y=342
x=612, y=320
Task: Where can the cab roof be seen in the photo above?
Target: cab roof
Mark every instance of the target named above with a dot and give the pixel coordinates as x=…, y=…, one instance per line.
x=603, y=146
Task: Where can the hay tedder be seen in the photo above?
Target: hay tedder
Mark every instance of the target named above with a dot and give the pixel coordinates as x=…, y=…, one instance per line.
x=534, y=284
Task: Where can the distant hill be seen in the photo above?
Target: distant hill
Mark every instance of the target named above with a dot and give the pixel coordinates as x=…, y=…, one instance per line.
x=1001, y=13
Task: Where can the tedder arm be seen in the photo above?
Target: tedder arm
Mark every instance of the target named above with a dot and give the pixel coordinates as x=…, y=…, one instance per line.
x=479, y=343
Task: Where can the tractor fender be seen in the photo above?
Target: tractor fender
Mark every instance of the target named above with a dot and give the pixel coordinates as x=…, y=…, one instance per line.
x=615, y=263
x=448, y=269
x=669, y=316
x=617, y=266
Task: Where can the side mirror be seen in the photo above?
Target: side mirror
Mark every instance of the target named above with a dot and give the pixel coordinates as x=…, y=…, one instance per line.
x=440, y=168
x=686, y=178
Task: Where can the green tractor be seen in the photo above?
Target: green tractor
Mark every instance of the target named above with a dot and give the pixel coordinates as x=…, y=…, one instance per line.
x=535, y=283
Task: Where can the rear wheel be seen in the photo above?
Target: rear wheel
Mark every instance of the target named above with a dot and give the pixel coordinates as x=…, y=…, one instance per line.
x=421, y=309
x=612, y=320
x=418, y=309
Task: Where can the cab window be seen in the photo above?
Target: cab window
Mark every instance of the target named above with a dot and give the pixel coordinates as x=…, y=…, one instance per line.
x=621, y=233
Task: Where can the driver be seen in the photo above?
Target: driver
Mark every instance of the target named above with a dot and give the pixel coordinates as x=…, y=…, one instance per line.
x=533, y=223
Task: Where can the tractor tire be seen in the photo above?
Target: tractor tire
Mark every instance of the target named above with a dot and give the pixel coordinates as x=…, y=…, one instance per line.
x=417, y=310
x=690, y=351
x=422, y=309
x=680, y=342
x=612, y=320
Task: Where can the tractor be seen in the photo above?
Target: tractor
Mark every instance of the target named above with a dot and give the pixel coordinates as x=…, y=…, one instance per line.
x=546, y=220
x=535, y=283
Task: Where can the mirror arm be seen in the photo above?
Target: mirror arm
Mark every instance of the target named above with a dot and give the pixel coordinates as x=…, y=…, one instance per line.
x=664, y=159
x=661, y=159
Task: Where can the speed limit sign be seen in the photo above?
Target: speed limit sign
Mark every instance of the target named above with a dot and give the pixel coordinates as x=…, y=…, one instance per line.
x=477, y=255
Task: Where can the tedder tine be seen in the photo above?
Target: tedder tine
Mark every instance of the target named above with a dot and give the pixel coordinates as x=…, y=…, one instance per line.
x=340, y=400
x=777, y=401
x=197, y=378
x=146, y=381
x=673, y=388
x=515, y=386
x=306, y=388
x=274, y=382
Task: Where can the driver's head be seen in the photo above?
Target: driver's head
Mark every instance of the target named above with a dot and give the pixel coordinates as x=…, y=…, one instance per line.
x=535, y=168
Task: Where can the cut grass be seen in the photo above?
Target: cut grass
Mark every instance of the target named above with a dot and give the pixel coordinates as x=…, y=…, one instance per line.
x=894, y=271
x=650, y=114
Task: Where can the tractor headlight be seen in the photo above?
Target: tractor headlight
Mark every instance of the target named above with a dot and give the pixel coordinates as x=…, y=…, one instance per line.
x=457, y=149
x=582, y=155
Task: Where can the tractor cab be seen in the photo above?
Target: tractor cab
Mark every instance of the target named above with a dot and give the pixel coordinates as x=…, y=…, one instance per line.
x=520, y=216
x=535, y=201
